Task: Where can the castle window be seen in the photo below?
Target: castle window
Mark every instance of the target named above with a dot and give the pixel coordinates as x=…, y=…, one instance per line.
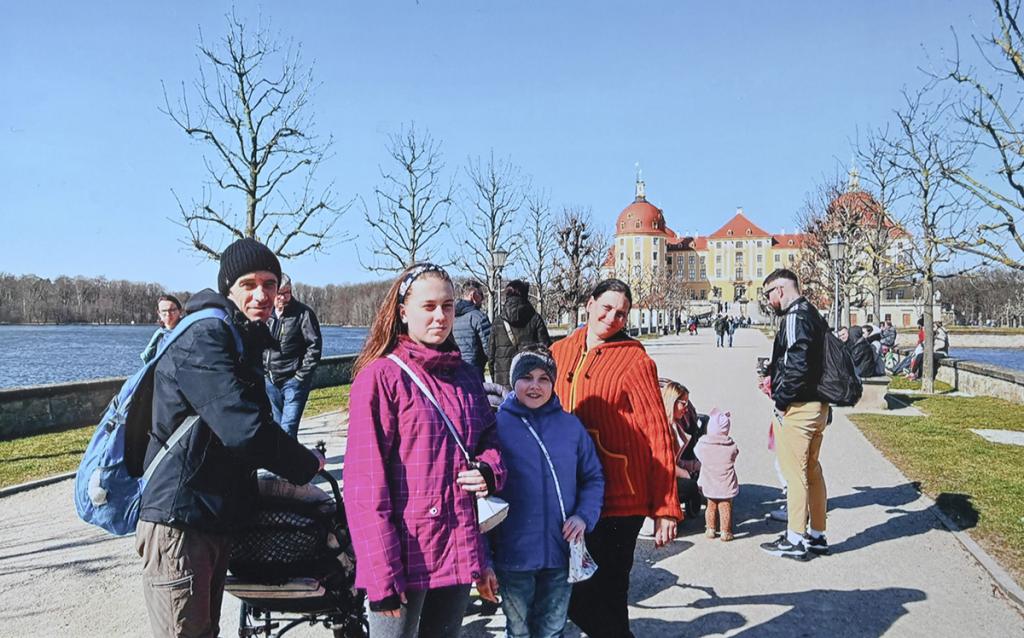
x=654, y=256
x=636, y=255
x=729, y=232
x=778, y=258
x=638, y=224
x=760, y=258
x=668, y=260
x=749, y=233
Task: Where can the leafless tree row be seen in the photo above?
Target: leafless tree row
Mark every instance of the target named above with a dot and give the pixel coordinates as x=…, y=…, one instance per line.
x=32, y=299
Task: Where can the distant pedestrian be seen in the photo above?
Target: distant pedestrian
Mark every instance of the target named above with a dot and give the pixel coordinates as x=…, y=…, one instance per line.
x=844, y=334
x=720, y=330
x=730, y=327
x=679, y=324
x=941, y=339
x=410, y=491
x=168, y=310
x=531, y=548
x=693, y=326
x=800, y=415
x=205, y=488
x=472, y=327
x=717, y=453
x=517, y=326
x=292, y=357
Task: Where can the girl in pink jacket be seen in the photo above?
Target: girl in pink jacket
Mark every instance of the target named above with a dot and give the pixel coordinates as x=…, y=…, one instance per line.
x=717, y=453
x=410, y=492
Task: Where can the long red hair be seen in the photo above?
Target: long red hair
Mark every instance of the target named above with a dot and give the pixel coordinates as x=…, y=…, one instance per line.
x=388, y=326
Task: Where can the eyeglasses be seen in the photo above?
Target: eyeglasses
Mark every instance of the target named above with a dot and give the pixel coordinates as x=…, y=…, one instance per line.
x=768, y=293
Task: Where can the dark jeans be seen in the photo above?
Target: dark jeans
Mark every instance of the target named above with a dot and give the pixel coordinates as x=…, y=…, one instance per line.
x=535, y=602
x=434, y=613
x=689, y=496
x=287, y=402
x=600, y=606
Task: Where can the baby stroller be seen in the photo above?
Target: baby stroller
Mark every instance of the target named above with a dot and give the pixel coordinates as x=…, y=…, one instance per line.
x=295, y=564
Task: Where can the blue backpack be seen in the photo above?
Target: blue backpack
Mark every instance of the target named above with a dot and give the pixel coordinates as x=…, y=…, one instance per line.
x=110, y=479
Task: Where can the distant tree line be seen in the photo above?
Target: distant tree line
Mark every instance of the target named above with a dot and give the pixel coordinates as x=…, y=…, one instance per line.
x=97, y=300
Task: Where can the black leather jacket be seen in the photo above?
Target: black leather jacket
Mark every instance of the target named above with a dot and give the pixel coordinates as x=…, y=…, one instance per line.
x=528, y=328
x=797, y=355
x=297, y=344
x=208, y=480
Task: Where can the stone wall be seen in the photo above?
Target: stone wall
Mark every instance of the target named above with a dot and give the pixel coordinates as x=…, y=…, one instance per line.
x=982, y=379
x=57, y=406
x=907, y=338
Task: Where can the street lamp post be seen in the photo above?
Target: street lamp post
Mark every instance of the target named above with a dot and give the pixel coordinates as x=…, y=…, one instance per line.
x=498, y=259
x=837, y=252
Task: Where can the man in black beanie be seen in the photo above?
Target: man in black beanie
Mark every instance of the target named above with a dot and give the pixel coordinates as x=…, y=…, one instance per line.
x=204, y=489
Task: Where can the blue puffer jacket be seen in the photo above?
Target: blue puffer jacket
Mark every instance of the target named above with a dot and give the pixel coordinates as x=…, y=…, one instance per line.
x=531, y=536
x=472, y=333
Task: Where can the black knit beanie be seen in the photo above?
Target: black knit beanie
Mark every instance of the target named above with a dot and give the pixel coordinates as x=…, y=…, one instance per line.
x=243, y=257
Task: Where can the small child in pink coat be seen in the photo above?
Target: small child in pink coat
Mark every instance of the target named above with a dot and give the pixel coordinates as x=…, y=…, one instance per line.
x=717, y=453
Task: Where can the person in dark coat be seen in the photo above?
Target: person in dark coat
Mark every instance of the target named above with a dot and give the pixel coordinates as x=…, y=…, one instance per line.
x=472, y=330
x=205, y=489
x=292, y=358
x=518, y=325
x=862, y=352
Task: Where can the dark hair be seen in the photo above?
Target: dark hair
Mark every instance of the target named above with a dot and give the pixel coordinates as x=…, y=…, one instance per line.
x=781, y=273
x=170, y=298
x=613, y=285
x=517, y=288
x=387, y=325
x=471, y=285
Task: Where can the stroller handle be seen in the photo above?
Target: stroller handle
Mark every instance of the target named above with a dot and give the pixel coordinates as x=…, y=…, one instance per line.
x=324, y=474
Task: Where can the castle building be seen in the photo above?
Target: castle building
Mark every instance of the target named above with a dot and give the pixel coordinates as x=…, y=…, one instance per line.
x=692, y=273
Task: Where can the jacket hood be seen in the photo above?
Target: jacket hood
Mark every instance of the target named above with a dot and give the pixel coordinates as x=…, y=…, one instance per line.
x=513, y=405
x=208, y=298
x=856, y=333
x=445, y=358
x=719, y=423
x=517, y=311
x=463, y=306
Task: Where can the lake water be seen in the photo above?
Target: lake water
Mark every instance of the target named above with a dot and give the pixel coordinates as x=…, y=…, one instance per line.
x=1012, y=358
x=33, y=355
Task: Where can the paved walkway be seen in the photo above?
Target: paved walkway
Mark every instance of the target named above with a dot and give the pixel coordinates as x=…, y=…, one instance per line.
x=893, y=571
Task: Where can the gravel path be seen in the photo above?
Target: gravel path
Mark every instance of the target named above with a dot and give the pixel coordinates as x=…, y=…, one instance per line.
x=893, y=570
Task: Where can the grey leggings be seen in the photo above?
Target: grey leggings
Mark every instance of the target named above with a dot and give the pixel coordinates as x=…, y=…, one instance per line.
x=434, y=613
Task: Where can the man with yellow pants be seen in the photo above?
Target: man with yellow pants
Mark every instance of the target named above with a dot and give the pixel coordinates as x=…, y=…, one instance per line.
x=800, y=415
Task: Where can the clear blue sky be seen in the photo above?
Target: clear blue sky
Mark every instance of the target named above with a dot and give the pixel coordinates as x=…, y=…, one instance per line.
x=723, y=104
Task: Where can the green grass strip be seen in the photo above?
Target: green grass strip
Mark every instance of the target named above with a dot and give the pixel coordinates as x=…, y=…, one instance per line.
x=979, y=484
x=42, y=455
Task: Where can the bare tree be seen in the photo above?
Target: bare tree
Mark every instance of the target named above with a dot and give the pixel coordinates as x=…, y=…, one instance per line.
x=582, y=248
x=496, y=193
x=253, y=116
x=924, y=159
x=990, y=110
x=412, y=204
x=540, y=247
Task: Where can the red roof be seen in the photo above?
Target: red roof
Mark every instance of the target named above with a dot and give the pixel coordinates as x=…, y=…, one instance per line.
x=689, y=243
x=739, y=227
x=788, y=241
x=649, y=217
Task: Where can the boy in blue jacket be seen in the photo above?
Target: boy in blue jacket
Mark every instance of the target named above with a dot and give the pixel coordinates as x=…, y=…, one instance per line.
x=531, y=548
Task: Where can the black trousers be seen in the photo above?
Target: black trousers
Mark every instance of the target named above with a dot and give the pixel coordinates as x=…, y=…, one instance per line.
x=599, y=606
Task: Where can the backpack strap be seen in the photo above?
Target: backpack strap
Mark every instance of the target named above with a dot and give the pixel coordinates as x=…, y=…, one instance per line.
x=193, y=317
x=511, y=334
x=182, y=430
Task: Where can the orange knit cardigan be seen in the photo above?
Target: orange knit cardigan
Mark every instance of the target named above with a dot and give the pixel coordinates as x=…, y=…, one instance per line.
x=613, y=390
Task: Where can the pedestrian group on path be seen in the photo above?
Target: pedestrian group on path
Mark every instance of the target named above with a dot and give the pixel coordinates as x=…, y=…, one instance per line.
x=585, y=444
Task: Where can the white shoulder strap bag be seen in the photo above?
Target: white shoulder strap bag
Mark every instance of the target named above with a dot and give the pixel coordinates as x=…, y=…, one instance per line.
x=490, y=510
x=581, y=564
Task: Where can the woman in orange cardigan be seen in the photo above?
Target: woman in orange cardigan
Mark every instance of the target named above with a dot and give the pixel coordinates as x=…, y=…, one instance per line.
x=607, y=380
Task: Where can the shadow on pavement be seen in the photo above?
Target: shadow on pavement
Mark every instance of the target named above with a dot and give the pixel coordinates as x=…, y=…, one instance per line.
x=905, y=523
x=822, y=612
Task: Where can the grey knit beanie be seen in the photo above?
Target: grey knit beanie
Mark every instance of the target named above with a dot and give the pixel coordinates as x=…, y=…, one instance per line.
x=243, y=257
x=529, y=360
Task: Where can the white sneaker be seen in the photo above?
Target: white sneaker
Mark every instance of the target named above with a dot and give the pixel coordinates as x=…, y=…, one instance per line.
x=779, y=515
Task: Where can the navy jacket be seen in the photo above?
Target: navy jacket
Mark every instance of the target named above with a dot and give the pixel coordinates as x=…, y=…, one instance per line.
x=531, y=536
x=472, y=333
x=208, y=481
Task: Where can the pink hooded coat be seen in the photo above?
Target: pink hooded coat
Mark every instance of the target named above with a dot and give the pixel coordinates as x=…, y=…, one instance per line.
x=717, y=454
